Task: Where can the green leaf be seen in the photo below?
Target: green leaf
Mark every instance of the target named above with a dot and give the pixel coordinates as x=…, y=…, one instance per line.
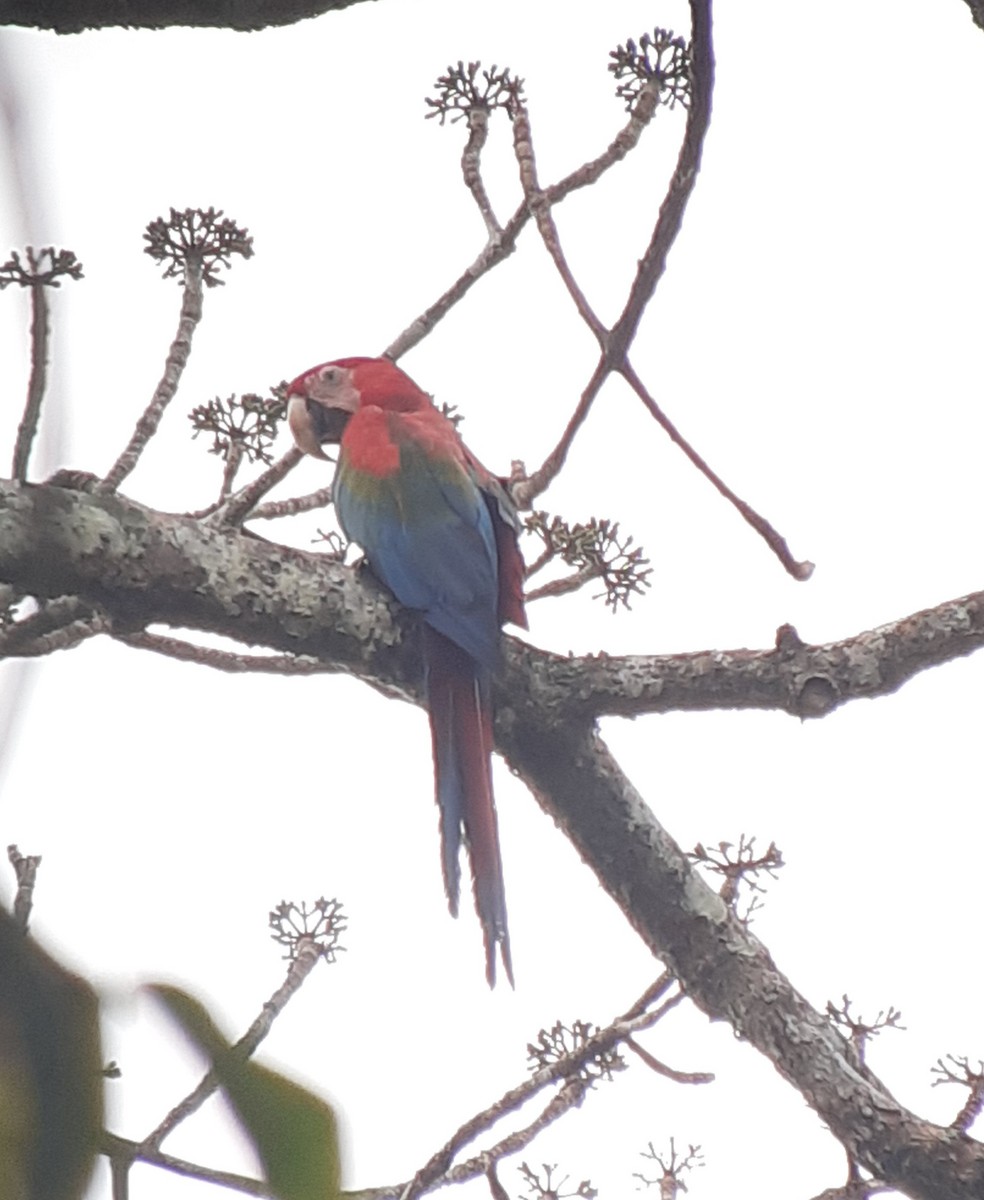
x=294, y=1132
x=50, y=1073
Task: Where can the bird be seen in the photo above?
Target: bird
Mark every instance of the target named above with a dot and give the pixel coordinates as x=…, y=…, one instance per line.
x=441, y=533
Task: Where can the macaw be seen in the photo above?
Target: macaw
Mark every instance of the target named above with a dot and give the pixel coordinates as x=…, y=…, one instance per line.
x=441, y=533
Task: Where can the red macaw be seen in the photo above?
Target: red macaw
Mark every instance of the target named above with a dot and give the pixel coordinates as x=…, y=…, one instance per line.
x=440, y=532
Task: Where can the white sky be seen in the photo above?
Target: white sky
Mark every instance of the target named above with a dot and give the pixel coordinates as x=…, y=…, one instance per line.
x=817, y=336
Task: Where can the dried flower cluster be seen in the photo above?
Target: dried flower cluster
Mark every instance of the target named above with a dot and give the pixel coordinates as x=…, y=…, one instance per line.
x=562, y=1041
x=739, y=865
x=199, y=236
x=464, y=88
x=859, y=1031
x=550, y=1188
x=596, y=551
x=43, y=266
x=321, y=922
x=662, y=60
x=244, y=425
x=673, y=1166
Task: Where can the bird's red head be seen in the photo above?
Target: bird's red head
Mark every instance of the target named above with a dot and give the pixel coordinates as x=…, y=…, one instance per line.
x=320, y=402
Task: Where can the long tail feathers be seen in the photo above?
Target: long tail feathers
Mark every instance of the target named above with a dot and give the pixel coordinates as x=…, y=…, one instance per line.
x=461, y=731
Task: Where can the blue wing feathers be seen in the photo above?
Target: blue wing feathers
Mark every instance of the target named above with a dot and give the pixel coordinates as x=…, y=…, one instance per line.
x=428, y=534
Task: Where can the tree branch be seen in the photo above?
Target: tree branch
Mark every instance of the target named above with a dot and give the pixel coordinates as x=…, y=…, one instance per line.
x=73, y=16
x=143, y=567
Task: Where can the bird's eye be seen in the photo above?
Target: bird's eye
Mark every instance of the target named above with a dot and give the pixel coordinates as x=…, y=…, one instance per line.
x=329, y=375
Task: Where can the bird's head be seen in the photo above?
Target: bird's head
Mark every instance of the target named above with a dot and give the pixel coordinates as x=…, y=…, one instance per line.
x=321, y=401
x=319, y=404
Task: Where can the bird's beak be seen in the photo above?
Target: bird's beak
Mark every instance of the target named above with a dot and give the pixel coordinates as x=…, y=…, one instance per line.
x=313, y=424
x=302, y=427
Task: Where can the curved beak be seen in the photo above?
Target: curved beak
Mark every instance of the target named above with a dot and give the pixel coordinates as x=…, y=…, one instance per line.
x=313, y=424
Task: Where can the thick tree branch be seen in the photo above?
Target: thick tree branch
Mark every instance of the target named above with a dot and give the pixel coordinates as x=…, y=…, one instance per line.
x=143, y=567
x=73, y=16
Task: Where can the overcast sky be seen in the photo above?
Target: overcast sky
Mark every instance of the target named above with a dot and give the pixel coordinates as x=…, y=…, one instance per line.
x=817, y=336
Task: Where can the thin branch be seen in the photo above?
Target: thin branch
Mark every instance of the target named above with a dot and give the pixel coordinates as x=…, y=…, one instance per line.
x=241, y=504
x=659, y=987
x=563, y=586
x=604, y=1040
x=966, y=1076
x=43, y=269
x=777, y=544
x=471, y=167
x=37, y=382
x=290, y=508
x=225, y=660
x=570, y=1096
x=661, y=1068
x=502, y=245
x=668, y=224
x=122, y=1153
x=229, y=472
x=525, y=488
x=26, y=872
x=57, y=625
x=860, y=1189
x=495, y=1187
x=119, y=1166
x=624, y=141
x=540, y=207
x=66, y=638
x=174, y=365
x=651, y=267
x=308, y=954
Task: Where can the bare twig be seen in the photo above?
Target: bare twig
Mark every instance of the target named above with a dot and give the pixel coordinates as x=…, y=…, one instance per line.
x=659, y=987
x=570, y=1096
x=26, y=871
x=495, y=1187
x=57, y=625
x=174, y=365
x=240, y=505
x=564, y=1068
x=859, y=1031
x=562, y=587
x=233, y=462
x=301, y=965
x=501, y=245
x=194, y=245
x=616, y=344
x=966, y=1076
x=777, y=544
x=42, y=270
x=525, y=488
x=36, y=384
x=290, y=508
x=224, y=660
x=471, y=167
x=122, y=1153
x=539, y=206
x=661, y=1068
x=855, y=1189
x=668, y=224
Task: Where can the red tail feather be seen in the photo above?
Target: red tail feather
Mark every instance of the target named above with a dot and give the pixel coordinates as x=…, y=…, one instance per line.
x=459, y=702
